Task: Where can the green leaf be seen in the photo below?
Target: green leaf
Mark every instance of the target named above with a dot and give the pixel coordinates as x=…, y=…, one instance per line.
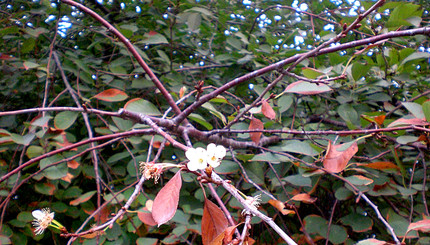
x=30, y=65
x=359, y=180
x=426, y=110
x=299, y=180
x=146, y=241
x=65, y=119
x=200, y=120
x=311, y=73
x=285, y=102
x=415, y=109
x=34, y=151
x=358, y=70
x=194, y=21
x=142, y=106
x=83, y=198
x=348, y=113
x=358, y=223
x=266, y=157
x=208, y=106
x=307, y=88
x=28, y=45
x=297, y=146
x=154, y=39
x=22, y=139
x=55, y=171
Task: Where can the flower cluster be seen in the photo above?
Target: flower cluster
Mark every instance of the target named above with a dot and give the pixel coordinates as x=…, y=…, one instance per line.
x=45, y=218
x=153, y=170
x=200, y=158
x=253, y=202
x=42, y=219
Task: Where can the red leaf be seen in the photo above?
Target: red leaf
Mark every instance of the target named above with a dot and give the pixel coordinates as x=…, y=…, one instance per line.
x=268, y=110
x=301, y=87
x=228, y=237
x=213, y=222
x=111, y=95
x=422, y=225
x=410, y=121
x=336, y=160
x=166, y=201
x=254, y=125
x=304, y=197
x=152, y=33
x=5, y=57
x=380, y=119
x=73, y=164
x=146, y=218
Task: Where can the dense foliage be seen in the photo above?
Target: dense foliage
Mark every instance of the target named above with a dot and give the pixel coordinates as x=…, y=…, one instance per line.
x=322, y=106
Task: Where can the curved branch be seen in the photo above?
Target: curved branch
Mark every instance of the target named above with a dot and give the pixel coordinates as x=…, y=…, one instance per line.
x=292, y=59
x=131, y=49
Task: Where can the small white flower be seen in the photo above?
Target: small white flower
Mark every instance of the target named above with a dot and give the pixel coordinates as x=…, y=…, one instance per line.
x=215, y=154
x=42, y=219
x=197, y=157
x=253, y=202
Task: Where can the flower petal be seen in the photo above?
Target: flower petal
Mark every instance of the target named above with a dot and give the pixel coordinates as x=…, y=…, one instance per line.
x=220, y=151
x=38, y=214
x=190, y=153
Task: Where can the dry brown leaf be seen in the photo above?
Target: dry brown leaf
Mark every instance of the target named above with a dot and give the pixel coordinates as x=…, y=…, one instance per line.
x=304, y=197
x=268, y=110
x=336, y=160
x=281, y=207
x=214, y=222
x=254, y=125
x=166, y=201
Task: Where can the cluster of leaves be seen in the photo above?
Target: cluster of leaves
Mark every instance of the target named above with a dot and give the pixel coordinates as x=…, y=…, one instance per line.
x=350, y=120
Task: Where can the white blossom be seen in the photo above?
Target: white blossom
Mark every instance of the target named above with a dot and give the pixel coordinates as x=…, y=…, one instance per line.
x=42, y=219
x=197, y=157
x=215, y=154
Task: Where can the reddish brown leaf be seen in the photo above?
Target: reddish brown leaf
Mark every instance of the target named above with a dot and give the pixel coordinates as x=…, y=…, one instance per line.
x=182, y=91
x=281, y=207
x=51, y=188
x=72, y=164
x=146, y=218
x=268, y=110
x=219, y=240
x=229, y=234
x=68, y=177
x=5, y=57
x=166, y=201
x=422, y=225
x=410, y=121
x=304, y=197
x=92, y=235
x=254, y=125
x=111, y=95
x=213, y=222
x=380, y=119
x=157, y=144
x=103, y=215
x=336, y=160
